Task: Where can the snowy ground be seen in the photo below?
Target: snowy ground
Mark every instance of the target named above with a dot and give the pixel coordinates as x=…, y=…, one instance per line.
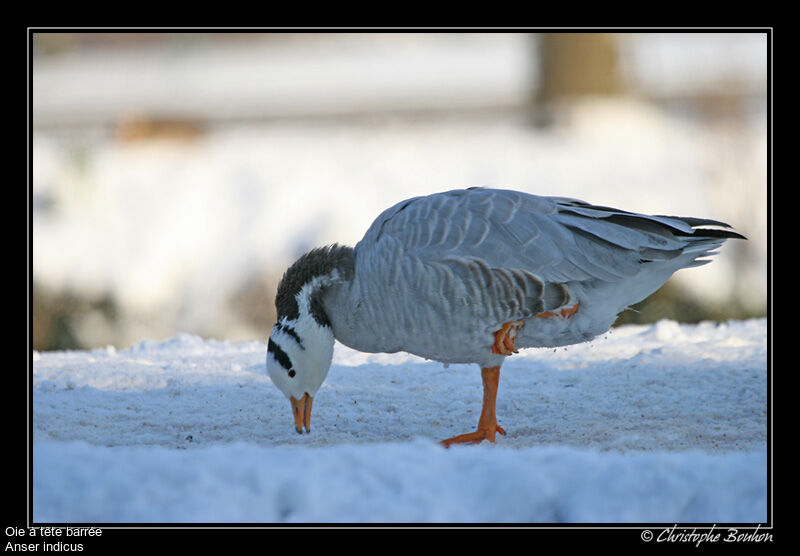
x=663, y=423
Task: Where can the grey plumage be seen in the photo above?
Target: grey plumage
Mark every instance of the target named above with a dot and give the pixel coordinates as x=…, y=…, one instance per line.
x=434, y=274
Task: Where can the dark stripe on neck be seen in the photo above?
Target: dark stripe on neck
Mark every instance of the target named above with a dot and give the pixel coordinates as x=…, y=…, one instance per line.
x=279, y=355
x=318, y=310
x=290, y=331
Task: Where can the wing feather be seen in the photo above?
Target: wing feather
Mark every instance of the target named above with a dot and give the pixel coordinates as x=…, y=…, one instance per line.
x=517, y=250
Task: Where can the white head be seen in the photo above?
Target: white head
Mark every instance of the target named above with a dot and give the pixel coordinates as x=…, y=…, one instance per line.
x=299, y=356
x=300, y=347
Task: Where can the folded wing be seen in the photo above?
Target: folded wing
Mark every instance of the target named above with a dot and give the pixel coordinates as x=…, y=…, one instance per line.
x=519, y=251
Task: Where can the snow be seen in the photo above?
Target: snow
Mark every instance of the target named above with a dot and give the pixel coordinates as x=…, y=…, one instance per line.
x=651, y=423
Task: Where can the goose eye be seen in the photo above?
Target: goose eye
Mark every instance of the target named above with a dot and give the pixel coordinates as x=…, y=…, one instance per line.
x=292, y=373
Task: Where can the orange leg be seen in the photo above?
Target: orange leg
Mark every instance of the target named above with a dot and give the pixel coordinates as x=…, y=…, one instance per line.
x=487, y=424
x=504, y=338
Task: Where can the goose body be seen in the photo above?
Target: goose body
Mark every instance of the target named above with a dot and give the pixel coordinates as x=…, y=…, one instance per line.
x=471, y=276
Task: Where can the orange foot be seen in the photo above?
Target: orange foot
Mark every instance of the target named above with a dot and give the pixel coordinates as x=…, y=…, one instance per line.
x=566, y=312
x=504, y=338
x=487, y=424
x=483, y=433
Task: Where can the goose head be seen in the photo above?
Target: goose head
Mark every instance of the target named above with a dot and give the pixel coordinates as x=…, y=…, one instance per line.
x=300, y=346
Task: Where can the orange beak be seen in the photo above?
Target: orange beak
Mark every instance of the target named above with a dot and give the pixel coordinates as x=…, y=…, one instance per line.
x=301, y=409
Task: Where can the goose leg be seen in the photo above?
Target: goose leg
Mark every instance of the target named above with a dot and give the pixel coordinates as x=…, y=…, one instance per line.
x=487, y=424
x=504, y=338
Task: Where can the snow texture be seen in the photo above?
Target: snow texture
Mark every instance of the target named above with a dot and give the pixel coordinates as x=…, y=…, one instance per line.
x=659, y=423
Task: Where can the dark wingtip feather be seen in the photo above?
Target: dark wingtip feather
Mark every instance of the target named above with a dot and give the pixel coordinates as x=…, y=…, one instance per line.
x=714, y=232
x=700, y=231
x=695, y=222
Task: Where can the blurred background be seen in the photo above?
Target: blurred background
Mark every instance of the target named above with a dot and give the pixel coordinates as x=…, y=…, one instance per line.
x=175, y=176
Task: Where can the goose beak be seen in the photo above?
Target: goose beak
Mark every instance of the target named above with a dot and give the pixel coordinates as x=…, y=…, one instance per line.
x=301, y=409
